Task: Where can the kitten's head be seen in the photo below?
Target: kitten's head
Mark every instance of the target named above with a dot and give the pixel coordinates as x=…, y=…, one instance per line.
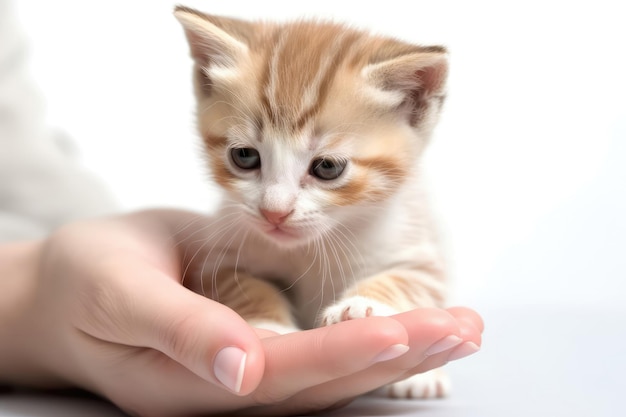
x=307, y=123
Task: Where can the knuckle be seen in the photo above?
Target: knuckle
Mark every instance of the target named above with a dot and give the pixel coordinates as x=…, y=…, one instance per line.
x=180, y=335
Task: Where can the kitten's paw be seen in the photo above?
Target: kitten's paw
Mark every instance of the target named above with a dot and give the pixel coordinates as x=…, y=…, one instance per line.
x=355, y=308
x=431, y=384
x=274, y=326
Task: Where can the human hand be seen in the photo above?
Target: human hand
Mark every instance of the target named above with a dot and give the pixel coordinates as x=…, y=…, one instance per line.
x=107, y=312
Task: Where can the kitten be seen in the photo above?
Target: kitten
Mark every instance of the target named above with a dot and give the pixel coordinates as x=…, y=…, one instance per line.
x=315, y=130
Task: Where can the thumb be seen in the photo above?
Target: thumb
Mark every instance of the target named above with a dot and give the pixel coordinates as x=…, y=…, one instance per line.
x=206, y=337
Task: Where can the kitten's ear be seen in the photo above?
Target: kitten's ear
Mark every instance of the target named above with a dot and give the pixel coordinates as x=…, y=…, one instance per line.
x=419, y=75
x=213, y=41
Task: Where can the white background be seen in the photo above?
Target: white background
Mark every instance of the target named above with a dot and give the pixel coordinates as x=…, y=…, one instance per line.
x=527, y=167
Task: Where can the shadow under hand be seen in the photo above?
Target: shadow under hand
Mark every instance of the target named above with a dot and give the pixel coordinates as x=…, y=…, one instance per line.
x=65, y=404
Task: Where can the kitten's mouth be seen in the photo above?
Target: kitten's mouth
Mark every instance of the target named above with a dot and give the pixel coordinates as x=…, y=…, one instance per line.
x=280, y=234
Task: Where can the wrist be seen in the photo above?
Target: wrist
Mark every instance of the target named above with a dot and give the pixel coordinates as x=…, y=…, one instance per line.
x=19, y=336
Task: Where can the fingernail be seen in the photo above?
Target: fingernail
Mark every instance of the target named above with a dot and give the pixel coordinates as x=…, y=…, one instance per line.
x=443, y=345
x=391, y=352
x=466, y=349
x=229, y=366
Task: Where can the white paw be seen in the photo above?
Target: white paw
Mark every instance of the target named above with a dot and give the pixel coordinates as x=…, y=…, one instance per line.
x=355, y=308
x=273, y=326
x=431, y=384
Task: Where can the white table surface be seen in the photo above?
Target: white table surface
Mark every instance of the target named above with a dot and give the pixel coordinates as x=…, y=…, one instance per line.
x=535, y=362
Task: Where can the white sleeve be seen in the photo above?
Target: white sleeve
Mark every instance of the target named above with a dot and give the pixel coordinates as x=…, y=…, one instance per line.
x=42, y=184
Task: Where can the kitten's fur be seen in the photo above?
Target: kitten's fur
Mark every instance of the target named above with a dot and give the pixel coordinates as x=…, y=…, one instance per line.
x=280, y=105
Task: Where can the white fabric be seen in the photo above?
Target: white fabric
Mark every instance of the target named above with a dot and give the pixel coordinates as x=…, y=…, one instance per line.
x=42, y=184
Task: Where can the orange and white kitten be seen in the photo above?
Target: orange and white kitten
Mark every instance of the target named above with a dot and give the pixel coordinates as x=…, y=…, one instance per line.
x=314, y=130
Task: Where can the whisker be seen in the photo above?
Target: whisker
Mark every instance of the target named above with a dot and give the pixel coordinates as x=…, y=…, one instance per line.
x=347, y=240
x=217, y=221
x=222, y=232
x=219, y=261
x=328, y=238
x=219, y=232
x=236, y=275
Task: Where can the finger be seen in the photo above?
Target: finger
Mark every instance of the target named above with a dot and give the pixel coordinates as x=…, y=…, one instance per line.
x=146, y=382
x=425, y=328
x=208, y=338
x=470, y=327
x=468, y=315
x=470, y=331
x=297, y=361
x=430, y=331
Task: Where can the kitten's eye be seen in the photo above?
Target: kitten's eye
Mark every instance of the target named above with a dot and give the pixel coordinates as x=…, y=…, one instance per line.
x=245, y=158
x=327, y=169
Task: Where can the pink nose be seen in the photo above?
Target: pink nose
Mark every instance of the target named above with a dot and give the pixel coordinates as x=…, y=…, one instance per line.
x=275, y=217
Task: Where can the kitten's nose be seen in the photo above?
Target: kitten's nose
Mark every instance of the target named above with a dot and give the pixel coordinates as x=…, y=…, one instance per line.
x=275, y=217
